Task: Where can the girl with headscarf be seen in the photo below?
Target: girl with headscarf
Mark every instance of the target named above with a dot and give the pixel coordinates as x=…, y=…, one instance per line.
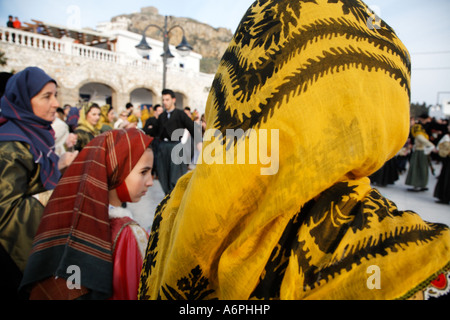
x=335, y=89
x=28, y=166
x=146, y=113
x=87, y=128
x=85, y=226
x=107, y=116
x=135, y=117
x=133, y=121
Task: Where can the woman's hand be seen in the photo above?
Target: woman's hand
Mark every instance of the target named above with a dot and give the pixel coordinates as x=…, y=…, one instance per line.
x=71, y=141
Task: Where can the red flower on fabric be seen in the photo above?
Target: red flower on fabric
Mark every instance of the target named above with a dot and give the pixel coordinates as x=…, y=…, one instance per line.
x=440, y=282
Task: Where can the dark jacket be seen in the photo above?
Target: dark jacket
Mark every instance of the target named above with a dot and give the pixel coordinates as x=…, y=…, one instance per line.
x=166, y=124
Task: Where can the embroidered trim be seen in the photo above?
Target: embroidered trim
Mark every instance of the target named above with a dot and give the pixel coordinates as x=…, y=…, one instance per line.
x=119, y=233
x=141, y=238
x=426, y=283
x=439, y=287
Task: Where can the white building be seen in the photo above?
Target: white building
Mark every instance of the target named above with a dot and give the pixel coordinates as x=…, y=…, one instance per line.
x=103, y=66
x=126, y=42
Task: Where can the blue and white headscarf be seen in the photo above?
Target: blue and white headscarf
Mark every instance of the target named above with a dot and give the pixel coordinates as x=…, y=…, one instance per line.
x=19, y=123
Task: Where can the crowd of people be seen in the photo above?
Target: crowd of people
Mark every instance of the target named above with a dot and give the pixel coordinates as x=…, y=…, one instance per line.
x=83, y=123
x=127, y=147
x=313, y=230
x=428, y=145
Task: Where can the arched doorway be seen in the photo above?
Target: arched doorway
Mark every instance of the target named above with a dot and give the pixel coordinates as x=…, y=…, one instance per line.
x=141, y=96
x=96, y=92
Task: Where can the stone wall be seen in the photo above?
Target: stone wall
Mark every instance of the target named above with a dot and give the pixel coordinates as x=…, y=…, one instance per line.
x=72, y=72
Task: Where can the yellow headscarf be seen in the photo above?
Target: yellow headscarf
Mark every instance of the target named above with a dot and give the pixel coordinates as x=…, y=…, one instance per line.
x=418, y=129
x=146, y=114
x=104, y=110
x=83, y=124
x=331, y=90
x=132, y=118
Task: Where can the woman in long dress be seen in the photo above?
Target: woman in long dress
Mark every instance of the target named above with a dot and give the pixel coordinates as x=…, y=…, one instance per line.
x=419, y=162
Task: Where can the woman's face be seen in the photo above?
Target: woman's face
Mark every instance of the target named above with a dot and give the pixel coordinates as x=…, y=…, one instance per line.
x=93, y=116
x=140, y=178
x=111, y=116
x=44, y=104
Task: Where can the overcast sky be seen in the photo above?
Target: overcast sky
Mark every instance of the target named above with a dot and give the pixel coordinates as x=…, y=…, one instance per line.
x=423, y=26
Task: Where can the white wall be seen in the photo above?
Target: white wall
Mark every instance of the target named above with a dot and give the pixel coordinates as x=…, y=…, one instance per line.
x=127, y=41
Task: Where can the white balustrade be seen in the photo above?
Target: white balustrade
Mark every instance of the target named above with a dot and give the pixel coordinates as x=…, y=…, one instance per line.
x=31, y=40
x=38, y=41
x=68, y=47
x=94, y=53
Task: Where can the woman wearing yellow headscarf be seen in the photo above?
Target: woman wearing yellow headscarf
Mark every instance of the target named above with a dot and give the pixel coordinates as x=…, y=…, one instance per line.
x=107, y=116
x=87, y=128
x=333, y=90
x=146, y=113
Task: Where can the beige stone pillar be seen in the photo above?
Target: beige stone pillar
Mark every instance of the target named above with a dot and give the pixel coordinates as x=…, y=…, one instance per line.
x=68, y=96
x=119, y=100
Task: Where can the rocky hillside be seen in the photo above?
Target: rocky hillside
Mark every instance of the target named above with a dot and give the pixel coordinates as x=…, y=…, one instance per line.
x=210, y=42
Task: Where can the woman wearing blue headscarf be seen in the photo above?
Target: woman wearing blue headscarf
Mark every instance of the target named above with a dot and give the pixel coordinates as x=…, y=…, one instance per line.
x=28, y=166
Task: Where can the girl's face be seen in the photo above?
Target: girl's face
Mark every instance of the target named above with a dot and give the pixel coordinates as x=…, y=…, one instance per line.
x=140, y=178
x=44, y=104
x=93, y=116
x=111, y=115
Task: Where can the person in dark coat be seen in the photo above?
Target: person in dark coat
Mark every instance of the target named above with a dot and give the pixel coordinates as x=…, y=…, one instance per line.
x=172, y=119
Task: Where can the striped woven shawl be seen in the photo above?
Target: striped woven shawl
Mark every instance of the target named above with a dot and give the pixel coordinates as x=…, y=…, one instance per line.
x=75, y=230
